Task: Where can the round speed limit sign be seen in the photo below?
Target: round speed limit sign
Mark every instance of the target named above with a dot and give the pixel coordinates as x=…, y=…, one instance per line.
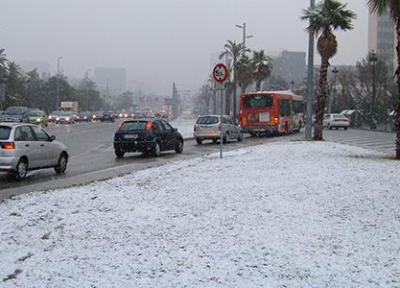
x=220, y=73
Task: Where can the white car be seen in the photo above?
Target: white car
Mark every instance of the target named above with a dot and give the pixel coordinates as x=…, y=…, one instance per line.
x=210, y=127
x=25, y=147
x=336, y=121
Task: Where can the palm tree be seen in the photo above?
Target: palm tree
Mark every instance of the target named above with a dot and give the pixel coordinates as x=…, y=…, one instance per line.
x=3, y=65
x=234, y=51
x=393, y=6
x=244, y=72
x=326, y=17
x=262, y=67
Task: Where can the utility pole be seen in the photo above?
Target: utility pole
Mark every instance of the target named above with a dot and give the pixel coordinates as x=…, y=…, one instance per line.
x=310, y=80
x=58, y=97
x=245, y=36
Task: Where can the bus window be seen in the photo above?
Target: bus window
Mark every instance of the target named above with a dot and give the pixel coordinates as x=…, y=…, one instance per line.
x=257, y=101
x=285, y=108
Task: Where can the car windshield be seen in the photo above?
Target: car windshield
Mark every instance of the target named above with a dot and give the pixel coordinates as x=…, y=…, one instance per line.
x=257, y=101
x=15, y=110
x=207, y=120
x=35, y=114
x=339, y=116
x=65, y=114
x=4, y=132
x=134, y=125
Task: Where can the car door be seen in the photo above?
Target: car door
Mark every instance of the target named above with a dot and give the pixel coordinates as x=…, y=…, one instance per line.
x=161, y=135
x=46, y=149
x=170, y=135
x=26, y=145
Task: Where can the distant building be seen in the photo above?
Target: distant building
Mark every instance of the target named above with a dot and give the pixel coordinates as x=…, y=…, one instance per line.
x=381, y=38
x=291, y=66
x=111, y=81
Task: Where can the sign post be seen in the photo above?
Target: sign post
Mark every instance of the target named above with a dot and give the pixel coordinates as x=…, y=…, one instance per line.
x=220, y=75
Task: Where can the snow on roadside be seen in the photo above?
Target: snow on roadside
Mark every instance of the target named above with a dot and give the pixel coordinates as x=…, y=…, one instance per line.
x=279, y=215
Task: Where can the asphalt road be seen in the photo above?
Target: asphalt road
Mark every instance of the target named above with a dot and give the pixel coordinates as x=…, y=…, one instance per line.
x=92, y=157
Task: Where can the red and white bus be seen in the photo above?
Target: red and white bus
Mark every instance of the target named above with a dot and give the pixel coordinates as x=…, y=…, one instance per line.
x=271, y=112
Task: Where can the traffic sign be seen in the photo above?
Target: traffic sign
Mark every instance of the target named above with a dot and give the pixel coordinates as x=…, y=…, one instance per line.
x=220, y=73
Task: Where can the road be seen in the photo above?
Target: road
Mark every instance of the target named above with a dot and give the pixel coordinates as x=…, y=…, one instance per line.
x=92, y=157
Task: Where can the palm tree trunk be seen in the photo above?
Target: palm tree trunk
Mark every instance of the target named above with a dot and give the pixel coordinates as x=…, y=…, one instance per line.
x=397, y=121
x=321, y=99
x=258, y=85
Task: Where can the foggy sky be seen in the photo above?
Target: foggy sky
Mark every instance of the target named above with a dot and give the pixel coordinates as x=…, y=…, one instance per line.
x=159, y=41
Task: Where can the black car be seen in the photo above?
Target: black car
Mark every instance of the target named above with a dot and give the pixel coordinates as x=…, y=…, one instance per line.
x=148, y=136
x=108, y=116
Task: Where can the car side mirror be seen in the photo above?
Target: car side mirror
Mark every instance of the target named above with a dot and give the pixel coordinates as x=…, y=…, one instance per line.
x=52, y=138
x=175, y=129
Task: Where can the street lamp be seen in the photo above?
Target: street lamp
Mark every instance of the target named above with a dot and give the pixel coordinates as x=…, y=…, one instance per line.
x=310, y=79
x=58, y=81
x=332, y=107
x=374, y=59
x=243, y=27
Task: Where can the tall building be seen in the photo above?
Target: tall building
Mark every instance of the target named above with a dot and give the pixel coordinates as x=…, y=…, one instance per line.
x=291, y=66
x=381, y=38
x=112, y=81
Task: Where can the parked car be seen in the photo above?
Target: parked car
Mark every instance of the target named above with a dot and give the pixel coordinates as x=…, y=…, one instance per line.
x=108, y=116
x=148, y=136
x=84, y=116
x=37, y=117
x=65, y=117
x=15, y=114
x=336, y=121
x=210, y=127
x=25, y=147
x=97, y=116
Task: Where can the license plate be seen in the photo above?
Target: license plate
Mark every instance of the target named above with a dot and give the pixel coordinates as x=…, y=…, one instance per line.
x=264, y=117
x=132, y=136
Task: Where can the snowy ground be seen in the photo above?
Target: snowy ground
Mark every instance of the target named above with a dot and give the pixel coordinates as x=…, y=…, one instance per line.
x=279, y=215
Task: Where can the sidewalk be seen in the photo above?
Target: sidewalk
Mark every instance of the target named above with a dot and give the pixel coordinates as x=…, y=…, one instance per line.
x=279, y=215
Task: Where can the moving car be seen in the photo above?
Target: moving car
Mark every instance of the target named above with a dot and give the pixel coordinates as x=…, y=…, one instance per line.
x=53, y=116
x=148, y=136
x=84, y=116
x=37, y=117
x=336, y=121
x=15, y=114
x=210, y=127
x=97, y=116
x=108, y=116
x=65, y=117
x=25, y=147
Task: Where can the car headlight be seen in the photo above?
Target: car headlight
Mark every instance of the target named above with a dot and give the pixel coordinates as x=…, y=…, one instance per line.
x=38, y=120
x=67, y=118
x=57, y=118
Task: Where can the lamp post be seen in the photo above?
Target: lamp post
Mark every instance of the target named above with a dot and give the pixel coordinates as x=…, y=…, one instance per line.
x=310, y=80
x=245, y=36
x=333, y=103
x=58, y=82
x=292, y=83
x=374, y=59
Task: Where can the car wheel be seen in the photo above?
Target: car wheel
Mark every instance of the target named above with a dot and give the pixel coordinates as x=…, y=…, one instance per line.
x=214, y=141
x=240, y=138
x=157, y=150
x=345, y=128
x=22, y=170
x=119, y=153
x=224, y=139
x=199, y=141
x=62, y=164
x=330, y=127
x=179, y=147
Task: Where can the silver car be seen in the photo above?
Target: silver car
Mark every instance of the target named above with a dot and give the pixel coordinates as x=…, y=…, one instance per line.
x=210, y=127
x=25, y=147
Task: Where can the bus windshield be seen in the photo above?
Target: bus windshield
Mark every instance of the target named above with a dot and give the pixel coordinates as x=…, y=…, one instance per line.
x=257, y=101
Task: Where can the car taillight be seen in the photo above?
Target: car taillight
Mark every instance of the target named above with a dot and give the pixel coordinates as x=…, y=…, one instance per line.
x=276, y=120
x=220, y=126
x=7, y=145
x=149, y=125
x=244, y=121
x=194, y=128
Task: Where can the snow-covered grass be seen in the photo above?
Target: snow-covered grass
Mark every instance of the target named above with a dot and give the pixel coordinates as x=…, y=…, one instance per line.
x=279, y=215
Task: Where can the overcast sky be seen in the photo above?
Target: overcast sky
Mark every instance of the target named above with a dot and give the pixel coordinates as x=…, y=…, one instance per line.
x=159, y=41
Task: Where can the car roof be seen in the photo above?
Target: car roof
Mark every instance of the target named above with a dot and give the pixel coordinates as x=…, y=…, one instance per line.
x=15, y=124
